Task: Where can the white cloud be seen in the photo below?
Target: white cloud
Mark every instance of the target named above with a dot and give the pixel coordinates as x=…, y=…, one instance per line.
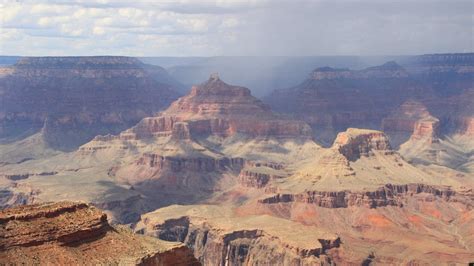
x=233, y=27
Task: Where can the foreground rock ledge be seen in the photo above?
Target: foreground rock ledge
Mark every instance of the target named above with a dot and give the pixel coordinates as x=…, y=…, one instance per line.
x=69, y=233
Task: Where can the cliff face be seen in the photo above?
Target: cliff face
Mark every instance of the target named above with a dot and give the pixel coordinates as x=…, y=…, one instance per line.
x=69, y=232
x=73, y=99
x=447, y=74
x=332, y=100
x=343, y=98
x=389, y=195
x=409, y=117
x=30, y=226
x=258, y=174
x=427, y=128
x=177, y=173
x=219, y=238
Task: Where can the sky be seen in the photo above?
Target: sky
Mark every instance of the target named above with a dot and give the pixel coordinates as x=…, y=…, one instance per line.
x=235, y=27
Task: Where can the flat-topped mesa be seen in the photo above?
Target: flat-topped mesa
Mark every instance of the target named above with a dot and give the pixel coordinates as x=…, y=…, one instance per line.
x=388, y=70
x=354, y=143
x=85, y=67
x=77, y=61
x=72, y=99
x=217, y=108
x=432, y=64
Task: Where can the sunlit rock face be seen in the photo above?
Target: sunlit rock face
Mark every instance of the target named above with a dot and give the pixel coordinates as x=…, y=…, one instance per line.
x=77, y=233
x=220, y=109
x=73, y=99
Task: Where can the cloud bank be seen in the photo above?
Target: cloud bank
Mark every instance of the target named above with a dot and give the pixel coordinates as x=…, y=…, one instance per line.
x=235, y=27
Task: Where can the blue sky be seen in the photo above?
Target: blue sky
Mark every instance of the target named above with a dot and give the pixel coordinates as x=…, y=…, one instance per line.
x=212, y=28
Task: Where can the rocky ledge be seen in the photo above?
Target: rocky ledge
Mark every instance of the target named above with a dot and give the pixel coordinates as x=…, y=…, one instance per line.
x=388, y=195
x=258, y=174
x=77, y=233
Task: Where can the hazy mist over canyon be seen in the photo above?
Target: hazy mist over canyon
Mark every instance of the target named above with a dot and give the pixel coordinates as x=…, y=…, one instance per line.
x=236, y=132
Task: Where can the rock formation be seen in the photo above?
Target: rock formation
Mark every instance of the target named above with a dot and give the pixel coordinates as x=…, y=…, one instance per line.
x=388, y=195
x=354, y=143
x=447, y=74
x=400, y=124
x=76, y=233
x=387, y=97
x=216, y=108
x=254, y=188
x=332, y=100
x=220, y=238
x=73, y=99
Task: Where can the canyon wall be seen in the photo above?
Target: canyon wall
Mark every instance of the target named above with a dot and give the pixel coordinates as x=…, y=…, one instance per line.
x=73, y=99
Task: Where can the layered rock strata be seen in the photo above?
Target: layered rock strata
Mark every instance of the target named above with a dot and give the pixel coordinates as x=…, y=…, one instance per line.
x=388, y=195
x=219, y=238
x=354, y=143
x=341, y=98
x=216, y=108
x=68, y=232
x=64, y=96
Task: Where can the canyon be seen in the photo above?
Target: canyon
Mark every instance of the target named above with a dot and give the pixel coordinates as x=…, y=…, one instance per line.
x=350, y=167
x=70, y=100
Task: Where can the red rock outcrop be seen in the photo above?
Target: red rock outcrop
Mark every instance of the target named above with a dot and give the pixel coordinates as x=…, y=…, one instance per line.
x=68, y=232
x=216, y=108
x=32, y=225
